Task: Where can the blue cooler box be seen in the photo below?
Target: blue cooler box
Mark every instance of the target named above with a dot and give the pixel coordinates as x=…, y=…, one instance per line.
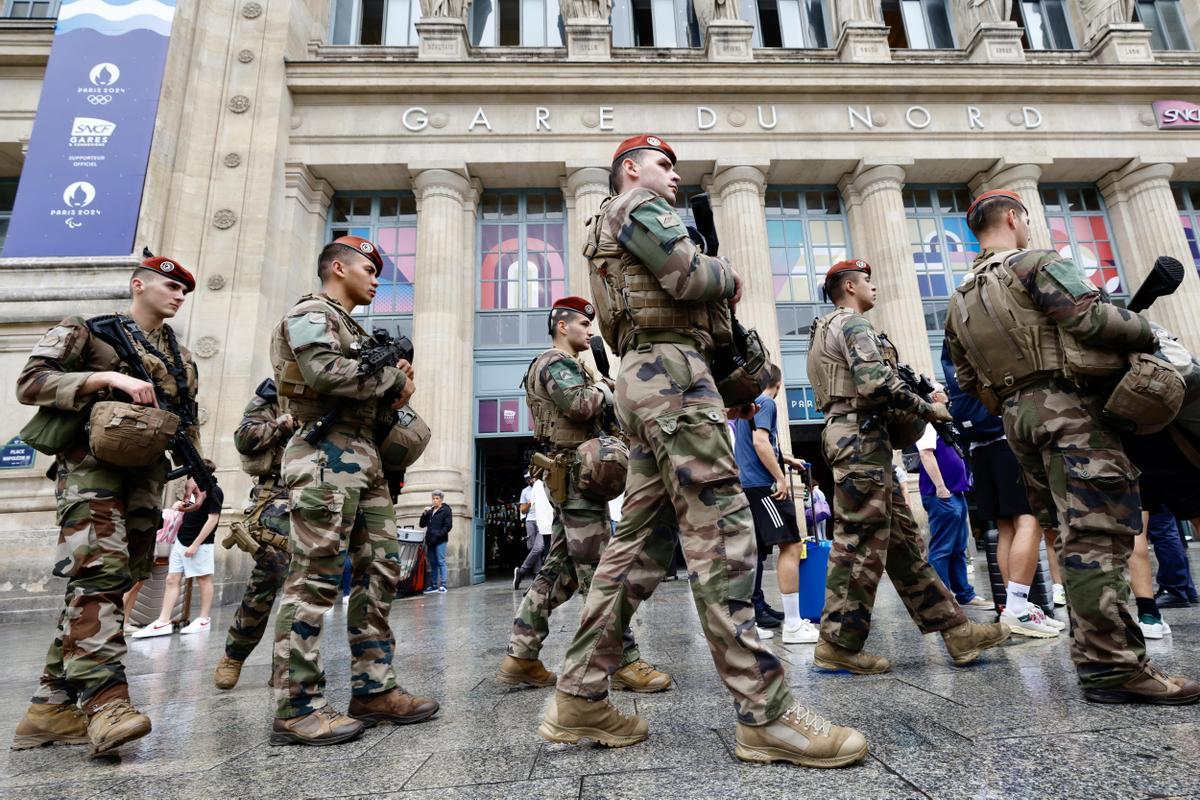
x=812, y=580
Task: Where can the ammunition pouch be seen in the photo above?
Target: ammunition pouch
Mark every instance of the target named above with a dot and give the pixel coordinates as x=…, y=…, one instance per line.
x=554, y=471
x=1083, y=362
x=259, y=464
x=1147, y=398
x=53, y=430
x=741, y=371
x=128, y=435
x=603, y=464
x=404, y=442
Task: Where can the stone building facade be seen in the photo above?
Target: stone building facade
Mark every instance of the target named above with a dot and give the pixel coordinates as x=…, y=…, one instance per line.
x=472, y=141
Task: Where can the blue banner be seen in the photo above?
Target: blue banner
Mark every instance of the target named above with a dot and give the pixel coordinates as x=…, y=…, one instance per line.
x=81, y=185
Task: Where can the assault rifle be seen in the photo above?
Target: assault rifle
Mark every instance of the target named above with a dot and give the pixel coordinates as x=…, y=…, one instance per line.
x=120, y=332
x=384, y=351
x=609, y=421
x=922, y=387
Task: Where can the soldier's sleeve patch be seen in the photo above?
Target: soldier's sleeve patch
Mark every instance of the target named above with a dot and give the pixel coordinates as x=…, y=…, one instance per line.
x=309, y=330
x=1070, y=278
x=564, y=374
x=54, y=343
x=660, y=221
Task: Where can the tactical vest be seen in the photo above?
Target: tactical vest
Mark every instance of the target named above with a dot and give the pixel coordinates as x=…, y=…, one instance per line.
x=828, y=371
x=551, y=427
x=629, y=299
x=1009, y=341
x=268, y=461
x=303, y=402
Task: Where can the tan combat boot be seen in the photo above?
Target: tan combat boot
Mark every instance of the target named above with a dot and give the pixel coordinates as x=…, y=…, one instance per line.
x=965, y=642
x=228, y=672
x=835, y=657
x=528, y=671
x=321, y=727
x=801, y=737
x=641, y=677
x=113, y=721
x=1151, y=686
x=397, y=707
x=572, y=718
x=51, y=723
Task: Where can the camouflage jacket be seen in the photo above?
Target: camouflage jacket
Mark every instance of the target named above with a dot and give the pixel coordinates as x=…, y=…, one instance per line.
x=68, y=354
x=565, y=402
x=1060, y=289
x=852, y=342
x=314, y=355
x=648, y=275
x=259, y=437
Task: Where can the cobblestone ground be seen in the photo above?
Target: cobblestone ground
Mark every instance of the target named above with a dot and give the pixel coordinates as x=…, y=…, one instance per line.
x=1012, y=726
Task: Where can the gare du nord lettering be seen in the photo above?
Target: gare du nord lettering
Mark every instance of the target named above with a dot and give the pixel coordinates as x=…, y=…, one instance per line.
x=542, y=119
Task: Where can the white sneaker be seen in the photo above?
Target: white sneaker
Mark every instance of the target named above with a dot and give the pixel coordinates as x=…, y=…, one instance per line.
x=764, y=634
x=1060, y=595
x=345, y=599
x=1155, y=630
x=198, y=625
x=155, y=628
x=1054, y=622
x=1032, y=623
x=804, y=633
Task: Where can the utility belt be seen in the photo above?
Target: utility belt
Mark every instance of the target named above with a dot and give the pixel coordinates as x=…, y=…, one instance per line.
x=249, y=533
x=642, y=341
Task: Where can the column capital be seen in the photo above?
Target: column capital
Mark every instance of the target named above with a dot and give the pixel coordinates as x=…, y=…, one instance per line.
x=1135, y=177
x=739, y=178
x=586, y=180
x=865, y=181
x=1005, y=175
x=444, y=183
x=314, y=193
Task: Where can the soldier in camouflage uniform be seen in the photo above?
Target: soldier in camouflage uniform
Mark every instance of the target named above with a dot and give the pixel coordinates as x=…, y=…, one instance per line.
x=260, y=439
x=108, y=514
x=339, y=500
x=568, y=408
x=663, y=306
x=851, y=369
x=1050, y=366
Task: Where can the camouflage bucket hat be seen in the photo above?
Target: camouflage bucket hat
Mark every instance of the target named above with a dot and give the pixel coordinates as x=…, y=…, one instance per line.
x=1147, y=398
x=405, y=441
x=603, y=465
x=128, y=435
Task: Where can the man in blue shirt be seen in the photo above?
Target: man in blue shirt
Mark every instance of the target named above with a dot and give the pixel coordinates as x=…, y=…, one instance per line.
x=756, y=449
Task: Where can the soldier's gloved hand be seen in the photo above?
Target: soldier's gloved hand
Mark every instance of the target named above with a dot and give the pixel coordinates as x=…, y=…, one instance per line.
x=286, y=422
x=607, y=392
x=939, y=413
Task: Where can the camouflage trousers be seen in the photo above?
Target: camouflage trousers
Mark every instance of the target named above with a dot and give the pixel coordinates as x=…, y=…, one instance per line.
x=270, y=569
x=682, y=477
x=339, y=502
x=874, y=532
x=581, y=531
x=1080, y=481
x=108, y=517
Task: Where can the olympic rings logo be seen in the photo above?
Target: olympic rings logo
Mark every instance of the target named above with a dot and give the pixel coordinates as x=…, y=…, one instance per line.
x=99, y=99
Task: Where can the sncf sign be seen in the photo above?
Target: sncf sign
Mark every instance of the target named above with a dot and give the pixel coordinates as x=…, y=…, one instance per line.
x=1176, y=114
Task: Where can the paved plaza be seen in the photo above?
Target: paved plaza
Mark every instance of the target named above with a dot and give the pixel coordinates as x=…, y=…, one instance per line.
x=1013, y=726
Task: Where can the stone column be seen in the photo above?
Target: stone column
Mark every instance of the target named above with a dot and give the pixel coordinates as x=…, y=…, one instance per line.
x=1146, y=225
x=443, y=318
x=742, y=225
x=584, y=189
x=875, y=207
x=1022, y=179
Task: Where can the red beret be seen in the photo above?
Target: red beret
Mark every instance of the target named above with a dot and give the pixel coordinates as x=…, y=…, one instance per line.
x=364, y=246
x=643, y=142
x=849, y=265
x=579, y=305
x=172, y=269
x=989, y=195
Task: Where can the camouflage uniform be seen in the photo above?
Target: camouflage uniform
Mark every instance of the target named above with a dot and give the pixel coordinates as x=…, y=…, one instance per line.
x=258, y=433
x=339, y=501
x=560, y=392
x=873, y=528
x=1078, y=477
x=108, y=515
x=662, y=305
